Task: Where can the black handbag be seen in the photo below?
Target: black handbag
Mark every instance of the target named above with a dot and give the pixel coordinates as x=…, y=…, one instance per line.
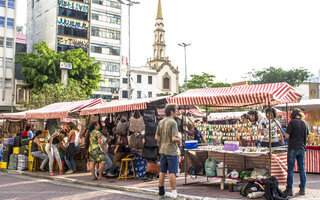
x=149, y=116
x=17, y=141
x=151, y=128
x=150, y=141
x=150, y=153
x=73, y=150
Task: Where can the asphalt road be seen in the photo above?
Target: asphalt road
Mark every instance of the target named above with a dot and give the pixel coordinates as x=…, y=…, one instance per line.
x=24, y=187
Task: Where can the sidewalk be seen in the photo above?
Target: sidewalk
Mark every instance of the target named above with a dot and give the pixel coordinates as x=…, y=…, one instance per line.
x=206, y=190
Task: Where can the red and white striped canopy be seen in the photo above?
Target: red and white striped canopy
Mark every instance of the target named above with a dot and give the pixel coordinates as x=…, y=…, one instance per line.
x=119, y=106
x=18, y=115
x=194, y=112
x=61, y=110
x=226, y=97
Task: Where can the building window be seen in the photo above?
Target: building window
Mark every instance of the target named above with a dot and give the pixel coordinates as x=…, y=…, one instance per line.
x=7, y=83
x=149, y=79
x=2, y=3
x=1, y=62
x=62, y=30
x=109, y=18
x=138, y=94
x=64, y=48
x=110, y=66
x=138, y=78
x=11, y=4
x=9, y=43
x=166, y=83
x=1, y=21
x=97, y=1
x=8, y=62
x=105, y=33
x=124, y=94
x=1, y=41
x=20, y=95
x=10, y=22
x=108, y=50
x=112, y=4
x=73, y=14
x=150, y=94
x=125, y=81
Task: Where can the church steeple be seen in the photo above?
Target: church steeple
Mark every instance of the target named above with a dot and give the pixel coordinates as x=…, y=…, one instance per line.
x=159, y=46
x=159, y=14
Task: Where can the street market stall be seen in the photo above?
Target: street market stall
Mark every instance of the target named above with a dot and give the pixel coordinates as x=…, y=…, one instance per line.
x=242, y=96
x=311, y=108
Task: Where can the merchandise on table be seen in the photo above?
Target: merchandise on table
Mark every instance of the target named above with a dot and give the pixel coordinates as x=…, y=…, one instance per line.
x=247, y=135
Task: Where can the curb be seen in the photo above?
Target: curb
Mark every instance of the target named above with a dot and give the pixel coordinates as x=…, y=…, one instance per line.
x=114, y=187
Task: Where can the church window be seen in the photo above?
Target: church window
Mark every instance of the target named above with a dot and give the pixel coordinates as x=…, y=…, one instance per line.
x=166, y=83
x=161, y=38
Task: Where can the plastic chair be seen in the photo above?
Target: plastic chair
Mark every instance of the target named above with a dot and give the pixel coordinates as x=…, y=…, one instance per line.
x=126, y=160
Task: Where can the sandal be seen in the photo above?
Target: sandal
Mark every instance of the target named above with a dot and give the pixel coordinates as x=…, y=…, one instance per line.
x=61, y=172
x=52, y=174
x=102, y=179
x=94, y=179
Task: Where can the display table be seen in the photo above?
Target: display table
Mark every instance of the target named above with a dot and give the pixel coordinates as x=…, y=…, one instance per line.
x=311, y=161
x=241, y=161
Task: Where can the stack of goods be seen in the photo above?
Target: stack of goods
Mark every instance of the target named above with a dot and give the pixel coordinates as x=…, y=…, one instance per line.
x=13, y=162
x=22, y=162
x=7, y=149
x=313, y=140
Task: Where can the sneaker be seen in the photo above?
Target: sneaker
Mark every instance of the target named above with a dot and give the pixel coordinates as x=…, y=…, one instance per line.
x=69, y=172
x=288, y=192
x=160, y=196
x=109, y=174
x=97, y=173
x=302, y=191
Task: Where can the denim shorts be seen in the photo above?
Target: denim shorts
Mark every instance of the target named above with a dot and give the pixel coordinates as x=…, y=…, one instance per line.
x=168, y=163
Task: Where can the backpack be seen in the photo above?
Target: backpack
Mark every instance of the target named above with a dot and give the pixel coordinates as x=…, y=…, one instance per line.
x=272, y=191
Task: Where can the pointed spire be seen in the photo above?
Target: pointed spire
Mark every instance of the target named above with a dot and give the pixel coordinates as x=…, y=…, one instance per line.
x=159, y=14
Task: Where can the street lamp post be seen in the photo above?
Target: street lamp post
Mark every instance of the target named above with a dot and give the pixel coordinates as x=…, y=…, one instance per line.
x=184, y=45
x=129, y=4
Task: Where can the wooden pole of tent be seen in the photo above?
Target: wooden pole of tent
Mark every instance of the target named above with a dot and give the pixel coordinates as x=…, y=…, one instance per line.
x=287, y=121
x=270, y=143
x=184, y=119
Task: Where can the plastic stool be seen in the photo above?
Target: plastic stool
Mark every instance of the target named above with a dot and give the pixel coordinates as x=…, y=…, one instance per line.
x=127, y=159
x=35, y=164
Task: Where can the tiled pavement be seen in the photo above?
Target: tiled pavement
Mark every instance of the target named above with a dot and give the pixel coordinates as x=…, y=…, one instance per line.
x=206, y=189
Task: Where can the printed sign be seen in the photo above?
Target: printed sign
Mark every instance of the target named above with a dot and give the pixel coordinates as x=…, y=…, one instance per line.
x=73, y=23
x=73, y=5
x=73, y=42
x=64, y=65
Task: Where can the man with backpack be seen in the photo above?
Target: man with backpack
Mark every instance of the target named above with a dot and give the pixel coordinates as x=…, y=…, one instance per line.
x=297, y=135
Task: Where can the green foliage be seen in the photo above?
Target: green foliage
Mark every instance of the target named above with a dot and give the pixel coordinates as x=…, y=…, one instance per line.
x=43, y=67
x=54, y=93
x=294, y=76
x=204, y=80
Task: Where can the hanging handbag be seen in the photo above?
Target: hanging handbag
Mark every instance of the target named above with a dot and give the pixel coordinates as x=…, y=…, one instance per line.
x=152, y=167
x=136, y=141
x=150, y=153
x=149, y=115
x=122, y=128
x=136, y=124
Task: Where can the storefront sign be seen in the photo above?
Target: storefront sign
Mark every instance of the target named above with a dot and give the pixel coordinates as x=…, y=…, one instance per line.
x=73, y=42
x=73, y=5
x=73, y=23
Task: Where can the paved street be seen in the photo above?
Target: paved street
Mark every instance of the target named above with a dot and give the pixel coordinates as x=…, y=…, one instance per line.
x=23, y=187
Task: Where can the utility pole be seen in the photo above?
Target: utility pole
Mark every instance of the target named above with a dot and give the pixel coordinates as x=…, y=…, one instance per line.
x=184, y=45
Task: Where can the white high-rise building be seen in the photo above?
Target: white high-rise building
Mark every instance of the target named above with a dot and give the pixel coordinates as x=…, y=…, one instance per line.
x=93, y=25
x=7, y=53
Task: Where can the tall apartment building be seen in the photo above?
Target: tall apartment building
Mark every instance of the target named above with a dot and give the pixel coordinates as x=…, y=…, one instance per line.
x=93, y=25
x=7, y=53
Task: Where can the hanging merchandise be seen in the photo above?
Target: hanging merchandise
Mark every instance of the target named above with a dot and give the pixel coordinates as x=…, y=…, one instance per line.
x=122, y=128
x=136, y=123
x=149, y=115
x=210, y=167
x=136, y=141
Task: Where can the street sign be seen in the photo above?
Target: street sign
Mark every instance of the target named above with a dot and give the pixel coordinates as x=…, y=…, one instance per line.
x=64, y=65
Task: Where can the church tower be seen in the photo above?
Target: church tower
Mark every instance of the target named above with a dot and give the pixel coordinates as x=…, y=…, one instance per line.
x=167, y=75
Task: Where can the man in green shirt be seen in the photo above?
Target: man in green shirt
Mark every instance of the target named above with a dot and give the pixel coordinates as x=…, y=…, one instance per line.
x=168, y=137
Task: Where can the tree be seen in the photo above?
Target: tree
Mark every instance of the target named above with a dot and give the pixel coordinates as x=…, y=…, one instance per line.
x=54, y=93
x=294, y=76
x=43, y=67
x=204, y=80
